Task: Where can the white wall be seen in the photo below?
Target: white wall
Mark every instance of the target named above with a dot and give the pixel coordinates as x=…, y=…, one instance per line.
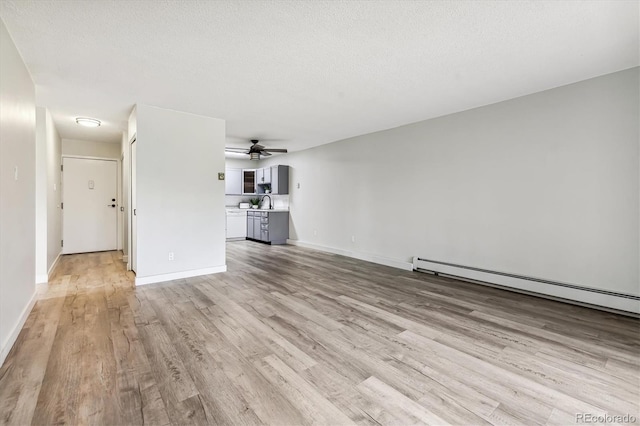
x=180, y=201
x=239, y=163
x=41, y=195
x=48, y=213
x=545, y=185
x=90, y=148
x=54, y=195
x=17, y=197
x=126, y=152
x=132, y=123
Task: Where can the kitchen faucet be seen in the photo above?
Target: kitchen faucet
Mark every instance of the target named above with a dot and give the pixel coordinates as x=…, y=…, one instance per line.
x=262, y=201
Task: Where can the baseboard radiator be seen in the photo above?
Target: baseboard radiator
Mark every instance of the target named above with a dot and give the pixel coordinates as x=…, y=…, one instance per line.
x=596, y=298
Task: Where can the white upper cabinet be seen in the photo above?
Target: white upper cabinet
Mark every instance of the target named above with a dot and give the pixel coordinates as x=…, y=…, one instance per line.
x=263, y=176
x=233, y=182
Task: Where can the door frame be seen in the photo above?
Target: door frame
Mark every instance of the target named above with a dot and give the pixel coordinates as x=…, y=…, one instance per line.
x=118, y=193
x=131, y=254
x=121, y=209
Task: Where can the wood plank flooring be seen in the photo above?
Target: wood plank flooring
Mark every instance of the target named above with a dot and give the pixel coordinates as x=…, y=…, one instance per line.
x=291, y=336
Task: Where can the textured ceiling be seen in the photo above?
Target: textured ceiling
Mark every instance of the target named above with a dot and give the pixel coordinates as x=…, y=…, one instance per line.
x=308, y=72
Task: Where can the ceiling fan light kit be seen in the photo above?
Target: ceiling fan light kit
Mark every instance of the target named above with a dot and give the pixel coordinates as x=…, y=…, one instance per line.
x=256, y=151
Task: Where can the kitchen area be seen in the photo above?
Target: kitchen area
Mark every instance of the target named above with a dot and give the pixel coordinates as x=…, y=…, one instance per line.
x=257, y=204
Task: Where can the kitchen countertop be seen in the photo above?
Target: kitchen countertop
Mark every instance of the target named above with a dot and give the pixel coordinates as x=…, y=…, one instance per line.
x=268, y=210
x=256, y=210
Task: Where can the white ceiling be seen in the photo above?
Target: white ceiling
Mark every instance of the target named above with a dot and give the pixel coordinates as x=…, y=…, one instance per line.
x=308, y=72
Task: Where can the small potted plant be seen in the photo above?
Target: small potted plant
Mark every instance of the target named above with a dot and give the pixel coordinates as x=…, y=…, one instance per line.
x=254, y=202
x=267, y=188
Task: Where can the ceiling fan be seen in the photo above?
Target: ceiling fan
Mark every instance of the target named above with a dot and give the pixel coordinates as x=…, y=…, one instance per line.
x=255, y=150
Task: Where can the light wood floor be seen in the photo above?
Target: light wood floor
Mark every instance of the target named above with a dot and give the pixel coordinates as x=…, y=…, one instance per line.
x=291, y=336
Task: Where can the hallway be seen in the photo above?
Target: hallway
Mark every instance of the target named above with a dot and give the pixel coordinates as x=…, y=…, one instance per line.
x=61, y=369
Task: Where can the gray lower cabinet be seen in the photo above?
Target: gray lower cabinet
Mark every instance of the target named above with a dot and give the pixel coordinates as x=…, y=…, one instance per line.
x=256, y=227
x=268, y=227
x=250, y=233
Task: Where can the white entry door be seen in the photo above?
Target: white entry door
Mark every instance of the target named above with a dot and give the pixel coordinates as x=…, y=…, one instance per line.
x=90, y=218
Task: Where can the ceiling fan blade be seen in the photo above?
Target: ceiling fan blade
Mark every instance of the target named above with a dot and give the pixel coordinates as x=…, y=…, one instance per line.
x=275, y=150
x=234, y=149
x=273, y=140
x=265, y=153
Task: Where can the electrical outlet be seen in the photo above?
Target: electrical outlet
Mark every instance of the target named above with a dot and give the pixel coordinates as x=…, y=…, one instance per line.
x=170, y=255
x=15, y=173
x=353, y=238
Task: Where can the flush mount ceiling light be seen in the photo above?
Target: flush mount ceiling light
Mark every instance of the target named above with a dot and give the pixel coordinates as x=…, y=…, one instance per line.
x=88, y=122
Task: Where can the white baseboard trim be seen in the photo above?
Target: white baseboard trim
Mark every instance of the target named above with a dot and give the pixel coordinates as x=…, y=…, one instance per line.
x=368, y=257
x=44, y=278
x=17, y=329
x=125, y=258
x=54, y=264
x=178, y=275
